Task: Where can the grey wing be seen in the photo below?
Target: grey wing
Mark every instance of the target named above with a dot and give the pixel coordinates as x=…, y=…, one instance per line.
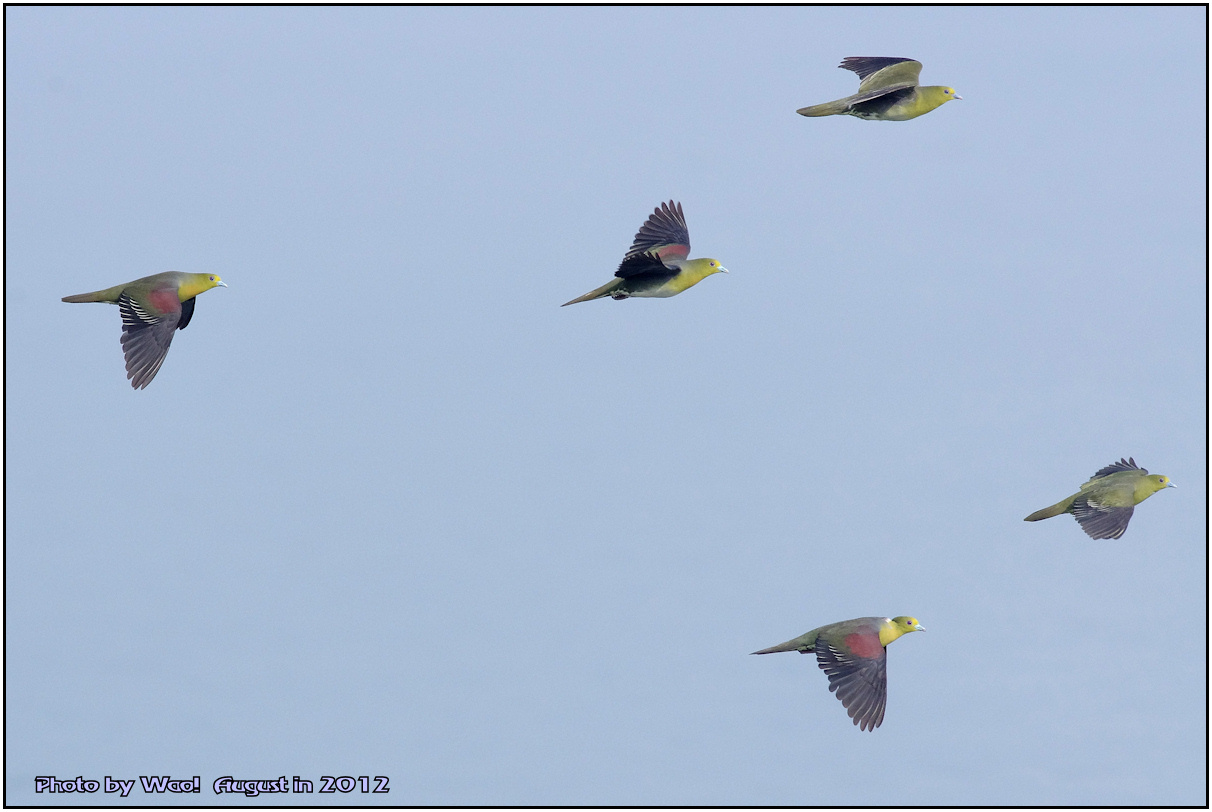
x=861, y=683
x=1101, y=521
x=663, y=233
x=146, y=337
x=1123, y=465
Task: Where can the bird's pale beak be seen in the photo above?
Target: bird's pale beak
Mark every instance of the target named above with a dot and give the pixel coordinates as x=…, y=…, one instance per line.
x=723, y=269
x=1171, y=485
x=221, y=283
x=958, y=96
x=919, y=627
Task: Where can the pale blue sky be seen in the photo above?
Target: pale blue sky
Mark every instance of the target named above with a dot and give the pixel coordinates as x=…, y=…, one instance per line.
x=388, y=509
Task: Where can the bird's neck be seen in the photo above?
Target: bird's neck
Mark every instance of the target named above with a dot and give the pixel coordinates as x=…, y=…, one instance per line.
x=1144, y=489
x=193, y=285
x=889, y=631
x=696, y=270
x=932, y=96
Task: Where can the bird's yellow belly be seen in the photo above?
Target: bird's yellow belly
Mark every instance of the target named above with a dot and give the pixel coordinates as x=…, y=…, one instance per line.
x=673, y=287
x=663, y=292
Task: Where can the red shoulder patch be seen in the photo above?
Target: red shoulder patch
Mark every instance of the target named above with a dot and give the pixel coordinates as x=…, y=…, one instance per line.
x=864, y=645
x=165, y=300
x=674, y=251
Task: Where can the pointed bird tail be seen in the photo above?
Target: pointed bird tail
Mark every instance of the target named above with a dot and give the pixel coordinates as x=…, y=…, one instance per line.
x=774, y=649
x=108, y=295
x=605, y=290
x=808, y=639
x=832, y=108
x=1048, y=512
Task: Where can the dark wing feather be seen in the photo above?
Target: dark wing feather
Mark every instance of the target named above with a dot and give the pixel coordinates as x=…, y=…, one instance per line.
x=1100, y=521
x=878, y=102
x=864, y=66
x=645, y=265
x=861, y=683
x=187, y=313
x=663, y=233
x=146, y=337
x=1123, y=465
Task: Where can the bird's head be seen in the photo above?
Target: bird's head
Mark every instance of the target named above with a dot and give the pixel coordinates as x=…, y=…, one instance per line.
x=195, y=283
x=940, y=94
x=1152, y=484
x=895, y=627
x=710, y=266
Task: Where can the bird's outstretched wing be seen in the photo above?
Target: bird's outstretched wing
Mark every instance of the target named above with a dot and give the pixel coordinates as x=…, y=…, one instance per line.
x=146, y=336
x=664, y=233
x=1099, y=520
x=859, y=676
x=1123, y=465
x=883, y=72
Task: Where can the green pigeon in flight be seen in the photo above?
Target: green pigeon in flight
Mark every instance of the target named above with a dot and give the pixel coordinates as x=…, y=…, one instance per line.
x=656, y=265
x=1104, y=504
x=152, y=309
x=852, y=655
x=888, y=91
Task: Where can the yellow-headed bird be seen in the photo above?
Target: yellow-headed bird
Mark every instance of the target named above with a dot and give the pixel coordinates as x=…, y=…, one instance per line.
x=851, y=653
x=152, y=309
x=1104, y=504
x=656, y=264
x=888, y=91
